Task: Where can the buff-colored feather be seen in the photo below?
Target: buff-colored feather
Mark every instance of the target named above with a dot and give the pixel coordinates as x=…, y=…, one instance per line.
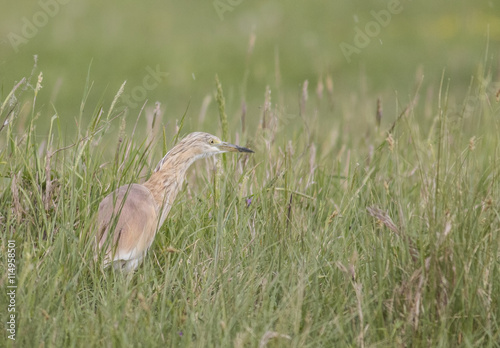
x=129, y=217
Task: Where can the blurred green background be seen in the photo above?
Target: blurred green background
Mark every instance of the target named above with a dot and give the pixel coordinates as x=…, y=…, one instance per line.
x=193, y=41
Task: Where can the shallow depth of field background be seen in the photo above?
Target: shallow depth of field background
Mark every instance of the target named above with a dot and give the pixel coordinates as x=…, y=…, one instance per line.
x=368, y=216
x=194, y=41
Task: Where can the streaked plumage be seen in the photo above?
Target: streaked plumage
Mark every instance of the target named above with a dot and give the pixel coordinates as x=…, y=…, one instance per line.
x=129, y=217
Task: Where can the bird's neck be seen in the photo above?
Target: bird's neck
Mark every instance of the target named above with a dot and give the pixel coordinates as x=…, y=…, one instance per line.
x=165, y=183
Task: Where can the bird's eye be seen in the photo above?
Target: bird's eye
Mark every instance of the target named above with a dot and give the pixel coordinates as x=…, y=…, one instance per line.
x=211, y=141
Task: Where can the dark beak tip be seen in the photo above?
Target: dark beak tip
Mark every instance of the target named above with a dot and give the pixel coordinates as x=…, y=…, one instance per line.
x=244, y=149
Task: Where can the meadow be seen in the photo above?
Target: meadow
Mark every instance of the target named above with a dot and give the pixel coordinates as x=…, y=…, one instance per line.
x=368, y=216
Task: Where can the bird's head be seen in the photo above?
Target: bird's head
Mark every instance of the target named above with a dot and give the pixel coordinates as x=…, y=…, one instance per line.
x=204, y=145
x=198, y=145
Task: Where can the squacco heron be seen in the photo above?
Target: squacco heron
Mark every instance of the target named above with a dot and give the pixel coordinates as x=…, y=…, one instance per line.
x=129, y=218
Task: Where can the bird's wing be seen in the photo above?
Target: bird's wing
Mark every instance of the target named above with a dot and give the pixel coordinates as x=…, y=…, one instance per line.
x=127, y=222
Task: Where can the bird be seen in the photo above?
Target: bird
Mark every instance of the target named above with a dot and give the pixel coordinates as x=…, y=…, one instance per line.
x=129, y=217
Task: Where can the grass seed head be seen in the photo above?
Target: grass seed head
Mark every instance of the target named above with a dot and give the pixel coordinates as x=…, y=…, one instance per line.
x=472, y=143
x=390, y=142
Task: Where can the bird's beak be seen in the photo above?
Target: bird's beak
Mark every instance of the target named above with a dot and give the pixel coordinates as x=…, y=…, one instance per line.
x=226, y=147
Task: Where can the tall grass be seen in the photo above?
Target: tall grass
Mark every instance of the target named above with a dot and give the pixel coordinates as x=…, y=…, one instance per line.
x=334, y=233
